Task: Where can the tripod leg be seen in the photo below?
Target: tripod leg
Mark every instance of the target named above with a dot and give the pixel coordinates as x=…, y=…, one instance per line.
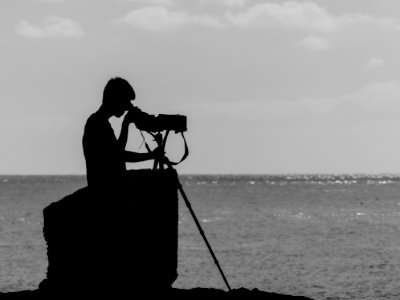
x=155, y=164
x=161, y=143
x=189, y=206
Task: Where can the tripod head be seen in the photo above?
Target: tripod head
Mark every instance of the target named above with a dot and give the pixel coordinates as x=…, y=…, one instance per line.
x=161, y=142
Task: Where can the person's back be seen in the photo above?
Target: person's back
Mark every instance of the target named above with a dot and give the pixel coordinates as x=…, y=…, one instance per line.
x=104, y=157
x=105, y=154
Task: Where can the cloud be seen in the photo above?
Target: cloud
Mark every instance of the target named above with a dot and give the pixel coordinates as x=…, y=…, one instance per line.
x=51, y=27
x=315, y=43
x=160, y=18
x=233, y=2
x=375, y=62
x=304, y=16
x=226, y=3
x=50, y=1
x=357, y=18
x=151, y=2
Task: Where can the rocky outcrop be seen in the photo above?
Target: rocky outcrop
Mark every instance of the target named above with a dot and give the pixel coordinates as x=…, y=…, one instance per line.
x=114, y=238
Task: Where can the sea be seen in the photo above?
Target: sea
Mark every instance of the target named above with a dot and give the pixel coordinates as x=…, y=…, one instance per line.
x=323, y=236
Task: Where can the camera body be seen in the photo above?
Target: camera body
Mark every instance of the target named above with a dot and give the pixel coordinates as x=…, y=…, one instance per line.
x=175, y=123
x=151, y=123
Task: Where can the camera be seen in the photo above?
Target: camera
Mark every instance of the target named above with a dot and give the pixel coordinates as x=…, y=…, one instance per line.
x=151, y=123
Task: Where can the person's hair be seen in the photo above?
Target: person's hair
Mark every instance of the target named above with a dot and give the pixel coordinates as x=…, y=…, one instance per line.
x=117, y=88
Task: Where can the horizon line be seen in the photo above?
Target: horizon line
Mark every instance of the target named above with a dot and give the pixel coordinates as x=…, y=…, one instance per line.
x=222, y=174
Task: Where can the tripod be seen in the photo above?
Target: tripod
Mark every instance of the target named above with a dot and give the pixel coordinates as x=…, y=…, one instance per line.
x=160, y=163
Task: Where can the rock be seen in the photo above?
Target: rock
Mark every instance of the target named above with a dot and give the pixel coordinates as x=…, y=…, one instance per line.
x=121, y=238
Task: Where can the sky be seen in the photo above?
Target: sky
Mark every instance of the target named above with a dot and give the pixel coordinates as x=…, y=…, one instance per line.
x=268, y=86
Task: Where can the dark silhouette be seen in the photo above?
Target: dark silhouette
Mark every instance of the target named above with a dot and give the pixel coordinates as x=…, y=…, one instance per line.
x=108, y=235
x=105, y=155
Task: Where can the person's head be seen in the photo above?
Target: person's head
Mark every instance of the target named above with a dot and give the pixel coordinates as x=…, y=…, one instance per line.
x=117, y=96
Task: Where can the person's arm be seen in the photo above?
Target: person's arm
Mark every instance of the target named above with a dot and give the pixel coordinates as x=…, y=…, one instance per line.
x=123, y=137
x=138, y=157
x=133, y=115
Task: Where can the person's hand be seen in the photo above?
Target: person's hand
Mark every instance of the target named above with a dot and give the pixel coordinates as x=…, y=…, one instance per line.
x=130, y=117
x=158, y=153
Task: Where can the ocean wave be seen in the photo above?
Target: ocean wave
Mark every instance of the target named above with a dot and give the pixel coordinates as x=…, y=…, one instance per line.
x=315, y=179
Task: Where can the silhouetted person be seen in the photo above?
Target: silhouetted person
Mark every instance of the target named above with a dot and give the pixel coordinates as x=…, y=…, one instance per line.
x=105, y=154
x=99, y=238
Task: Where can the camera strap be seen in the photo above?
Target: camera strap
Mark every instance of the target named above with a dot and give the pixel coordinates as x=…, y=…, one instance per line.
x=184, y=155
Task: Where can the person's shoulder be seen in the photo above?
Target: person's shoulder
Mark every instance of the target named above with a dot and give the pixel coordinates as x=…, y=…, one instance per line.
x=94, y=120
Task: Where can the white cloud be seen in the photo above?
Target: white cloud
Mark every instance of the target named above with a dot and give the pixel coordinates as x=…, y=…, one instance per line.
x=151, y=2
x=356, y=18
x=228, y=3
x=157, y=2
x=51, y=27
x=304, y=16
x=233, y=2
x=375, y=62
x=315, y=43
x=50, y=1
x=160, y=18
